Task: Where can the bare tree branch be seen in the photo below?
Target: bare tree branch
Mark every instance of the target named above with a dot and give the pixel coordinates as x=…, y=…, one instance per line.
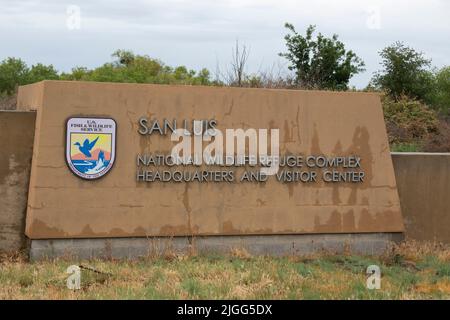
x=240, y=56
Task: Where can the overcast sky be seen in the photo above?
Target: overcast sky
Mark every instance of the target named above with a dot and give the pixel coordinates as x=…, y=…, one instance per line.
x=201, y=33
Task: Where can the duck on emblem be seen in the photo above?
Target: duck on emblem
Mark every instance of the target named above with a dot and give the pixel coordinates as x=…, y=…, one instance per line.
x=86, y=147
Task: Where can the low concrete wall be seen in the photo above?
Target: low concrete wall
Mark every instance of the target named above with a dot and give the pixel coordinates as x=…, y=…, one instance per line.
x=16, y=147
x=423, y=181
x=275, y=245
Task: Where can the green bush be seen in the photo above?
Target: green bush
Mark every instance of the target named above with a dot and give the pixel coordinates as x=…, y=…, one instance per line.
x=132, y=68
x=127, y=67
x=439, y=97
x=13, y=72
x=409, y=122
x=41, y=72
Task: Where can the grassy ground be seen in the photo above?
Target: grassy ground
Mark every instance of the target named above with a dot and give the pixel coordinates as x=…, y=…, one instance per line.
x=409, y=271
x=405, y=147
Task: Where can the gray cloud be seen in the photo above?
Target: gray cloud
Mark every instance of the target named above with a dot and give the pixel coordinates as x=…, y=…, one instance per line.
x=201, y=33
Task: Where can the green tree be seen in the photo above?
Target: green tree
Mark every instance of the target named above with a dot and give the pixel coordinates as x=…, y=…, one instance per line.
x=124, y=57
x=126, y=67
x=129, y=67
x=320, y=63
x=405, y=73
x=143, y=69
x=13, y=72
x=203, y=77
x=39, y=72
x=440, y=98
x=108, y=72
x=78, y=73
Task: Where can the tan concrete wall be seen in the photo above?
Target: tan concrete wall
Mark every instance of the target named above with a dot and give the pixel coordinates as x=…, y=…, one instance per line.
x=16, y=145
x=310, y=122
x=30, y=97
x=423, y=181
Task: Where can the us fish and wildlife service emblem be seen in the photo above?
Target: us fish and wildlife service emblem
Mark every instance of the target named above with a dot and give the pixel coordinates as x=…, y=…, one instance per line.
x=90, y=146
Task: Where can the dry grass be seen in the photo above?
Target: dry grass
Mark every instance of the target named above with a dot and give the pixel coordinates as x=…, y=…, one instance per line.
x=409, y=271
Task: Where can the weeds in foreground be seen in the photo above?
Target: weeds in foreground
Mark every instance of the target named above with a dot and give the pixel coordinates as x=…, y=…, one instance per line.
x=410, y=270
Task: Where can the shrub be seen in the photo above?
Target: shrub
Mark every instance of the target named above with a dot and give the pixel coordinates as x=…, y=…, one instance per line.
x=13, y=72
x=408, y=121
x=440, y=140
x=440, y=95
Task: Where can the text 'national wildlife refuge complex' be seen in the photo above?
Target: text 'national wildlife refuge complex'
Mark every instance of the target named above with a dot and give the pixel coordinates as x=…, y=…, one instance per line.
x=203, y=153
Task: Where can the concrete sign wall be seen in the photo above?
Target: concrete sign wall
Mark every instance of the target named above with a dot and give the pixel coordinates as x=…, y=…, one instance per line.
x=16, y=146
x=424, y=184
x=102, y=167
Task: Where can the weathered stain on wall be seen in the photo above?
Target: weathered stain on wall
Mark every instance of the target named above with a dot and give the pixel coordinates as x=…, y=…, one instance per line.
x=16, y=146
x=423, y=181
x=311, y=122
